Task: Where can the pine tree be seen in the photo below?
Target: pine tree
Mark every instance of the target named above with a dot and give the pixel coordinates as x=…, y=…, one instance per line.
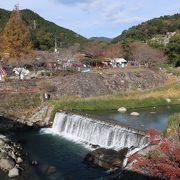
x=16, y=37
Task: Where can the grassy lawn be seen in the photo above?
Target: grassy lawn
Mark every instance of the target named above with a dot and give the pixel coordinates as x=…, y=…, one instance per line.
x=132, y=99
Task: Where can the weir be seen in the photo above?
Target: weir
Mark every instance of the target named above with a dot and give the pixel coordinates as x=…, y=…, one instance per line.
x=98, y=132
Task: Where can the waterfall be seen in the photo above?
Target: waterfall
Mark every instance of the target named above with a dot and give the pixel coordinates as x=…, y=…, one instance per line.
x=96, y=132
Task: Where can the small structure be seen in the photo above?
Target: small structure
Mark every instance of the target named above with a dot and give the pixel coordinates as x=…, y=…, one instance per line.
x=52, y=65
x=3, y=74
x=21, y=72
x=119, y=62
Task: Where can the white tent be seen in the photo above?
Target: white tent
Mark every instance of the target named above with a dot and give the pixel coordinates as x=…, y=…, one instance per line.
x=119, y=62
x=21, y=72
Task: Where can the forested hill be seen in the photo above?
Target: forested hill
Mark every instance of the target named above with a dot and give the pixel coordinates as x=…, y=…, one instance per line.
x=150, y=28
x=100, y=39
x=43, y=32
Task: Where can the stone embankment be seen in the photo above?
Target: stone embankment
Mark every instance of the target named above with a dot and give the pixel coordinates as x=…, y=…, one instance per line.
x=40, y=118
x=98, y=84
x=18, y=86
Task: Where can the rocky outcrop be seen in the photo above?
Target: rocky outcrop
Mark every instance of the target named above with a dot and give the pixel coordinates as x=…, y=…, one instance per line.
x=106, y=158
x=97, y=84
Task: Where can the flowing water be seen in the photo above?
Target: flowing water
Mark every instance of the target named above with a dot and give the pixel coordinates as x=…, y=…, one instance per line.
x=62, y=145
x=96, y=132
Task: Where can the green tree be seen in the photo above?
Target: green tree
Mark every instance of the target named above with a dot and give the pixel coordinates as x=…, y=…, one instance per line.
x=127, y=50
x=16, y=37
x=173, y=50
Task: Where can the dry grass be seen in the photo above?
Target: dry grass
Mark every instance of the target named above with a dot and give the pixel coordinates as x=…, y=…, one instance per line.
x=146, y=98
x=19, y=104
x=173, y=126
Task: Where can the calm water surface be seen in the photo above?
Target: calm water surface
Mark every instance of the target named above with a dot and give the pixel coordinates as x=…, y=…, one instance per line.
x=155, y=118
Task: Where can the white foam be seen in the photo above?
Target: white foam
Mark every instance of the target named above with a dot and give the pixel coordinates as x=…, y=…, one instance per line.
x=85, y=130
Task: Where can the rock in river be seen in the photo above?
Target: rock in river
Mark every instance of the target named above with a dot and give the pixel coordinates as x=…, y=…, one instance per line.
x=19, y=160
x=122, y=109
x=13, y=172
x=7, y=164
x=107, y=158
x=134, y=114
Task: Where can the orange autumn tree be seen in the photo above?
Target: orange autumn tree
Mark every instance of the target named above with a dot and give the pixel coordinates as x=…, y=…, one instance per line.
x=16, y=41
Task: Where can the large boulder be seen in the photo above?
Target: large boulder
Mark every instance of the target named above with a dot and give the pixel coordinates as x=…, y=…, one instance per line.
x=13, y=172
x=107, y=158
x=7, y=164
x=134, y=114
x=122, y=109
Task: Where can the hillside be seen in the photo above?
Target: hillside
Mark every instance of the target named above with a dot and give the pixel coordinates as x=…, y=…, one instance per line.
x=151, y=28
x=43, y=32
x=100, y=39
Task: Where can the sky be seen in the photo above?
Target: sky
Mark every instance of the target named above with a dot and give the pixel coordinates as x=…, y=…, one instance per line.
x=95, y=18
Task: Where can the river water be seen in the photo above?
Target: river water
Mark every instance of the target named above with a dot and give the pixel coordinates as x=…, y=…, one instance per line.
x=67, y=156
x=153, y=117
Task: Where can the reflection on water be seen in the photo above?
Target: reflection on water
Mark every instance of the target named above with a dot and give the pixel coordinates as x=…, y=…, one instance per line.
x=155, y=118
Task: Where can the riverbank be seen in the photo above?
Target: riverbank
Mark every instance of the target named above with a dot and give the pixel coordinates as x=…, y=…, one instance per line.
x=11, y=161
x=161, y=158
x=173, y=126
x=14, y=160
x=165, y=95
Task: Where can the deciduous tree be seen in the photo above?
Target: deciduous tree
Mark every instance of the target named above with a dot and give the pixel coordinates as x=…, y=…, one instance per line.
x=16, y=37
x=142, y=53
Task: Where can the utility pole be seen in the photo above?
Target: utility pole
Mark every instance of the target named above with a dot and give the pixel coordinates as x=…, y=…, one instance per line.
x=16, y=7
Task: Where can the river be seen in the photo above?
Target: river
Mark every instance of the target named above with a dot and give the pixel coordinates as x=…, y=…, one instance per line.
x=67, y=156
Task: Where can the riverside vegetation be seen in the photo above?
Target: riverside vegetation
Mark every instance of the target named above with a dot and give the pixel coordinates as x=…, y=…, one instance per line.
x=173, y=126
x=161, y=159
x=133, y=99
